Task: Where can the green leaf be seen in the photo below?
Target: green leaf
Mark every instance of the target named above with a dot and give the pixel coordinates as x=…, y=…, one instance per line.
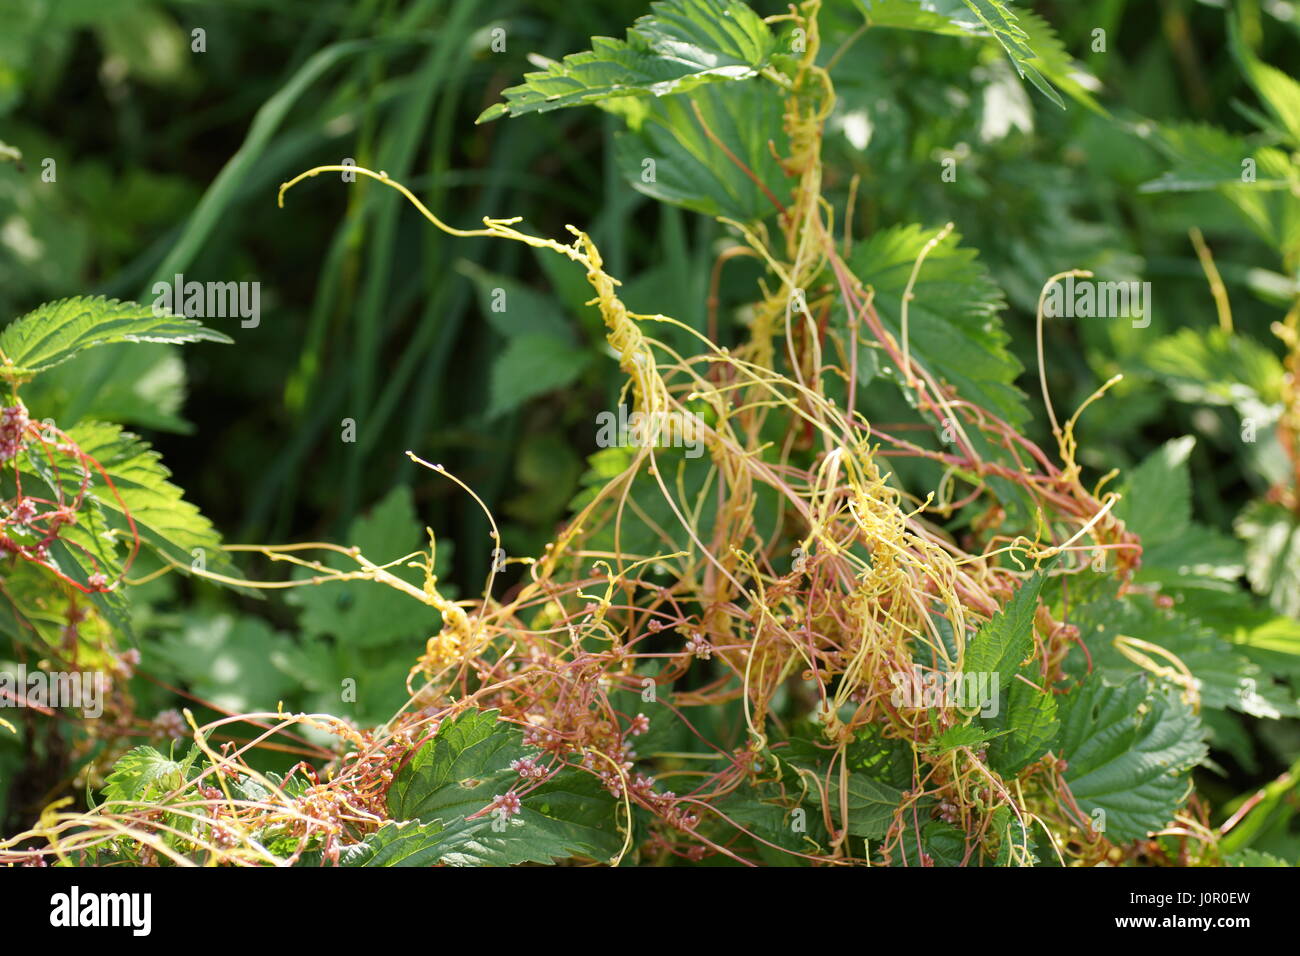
x=1026, y=726
x=57, y=331
x=1272, y=536
x=1218, y=367
x=367, y=613
x=1129, y=751
x=460, y=771
x=1015, y=846
x=1008, y=637
x=953, y=325
x=144, y=773
x=1250, y=857
x=405, y=843
x=532, y=365
x=1032, y=51
x=871, y=802
x=1279, y=92
x=513, y=308
x=1225, y=678
x=1002, y=23
x=1206, y=158
x=164, y=520
x=943, y=843
x=678, y=46
x=690, y=169
x=1157, y=506
x=961, y=735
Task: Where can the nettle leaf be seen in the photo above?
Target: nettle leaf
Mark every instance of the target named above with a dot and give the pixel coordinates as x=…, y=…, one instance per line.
x=164, y=520
x=223, y=659
x=768, y=812
x=667, y=154
x=1225, y=678
x=1002, y=23
x=460, y=771
x=1279, y=92
x=1026, y=724
x=1259, y=181
x=1216, y=367
x=1272, y=536
x=961, y=735
x=144, y=772
x=942, y=842
x=367, y=613
x=870, y=801
x=1008, y=638
x=1157, y=505
x=513, y=308
x=649, y=525
x=680, y=45
x=408, y=843
x=532, y=365
x=1031, y=45
x=953, y=326
x=1129, y=750
x=57, y=331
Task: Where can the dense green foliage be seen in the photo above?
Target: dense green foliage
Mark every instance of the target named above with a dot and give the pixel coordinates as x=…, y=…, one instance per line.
x=803, y=194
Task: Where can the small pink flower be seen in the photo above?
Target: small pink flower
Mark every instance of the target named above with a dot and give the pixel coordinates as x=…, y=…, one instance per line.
x=699, y=646
x=507, y=802
x=527, y=768
x=640, y=724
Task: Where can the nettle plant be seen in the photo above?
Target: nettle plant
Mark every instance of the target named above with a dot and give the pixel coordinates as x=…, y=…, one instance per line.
x=873, y=623
x=78, y=506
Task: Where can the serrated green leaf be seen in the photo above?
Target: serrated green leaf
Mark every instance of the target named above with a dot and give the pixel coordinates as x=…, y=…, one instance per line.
x=1008, y=638
x=870, y=802
x=405, y=843
x=1027, y=725
x=466, y=764
x=164, y=520
x=678, y=46
x=1279, y=92
x=366, y=613
x=691, y=170
x=144, y=773
x=1157, y=506
x=962, y=735
x=1028, y=41
x=1217, y=367
x=953, y=326
x=1129, y=750
x=532, y=365
x=1225, y=678
x=1003, y=24
x=56, y=331
x=1272, y=536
